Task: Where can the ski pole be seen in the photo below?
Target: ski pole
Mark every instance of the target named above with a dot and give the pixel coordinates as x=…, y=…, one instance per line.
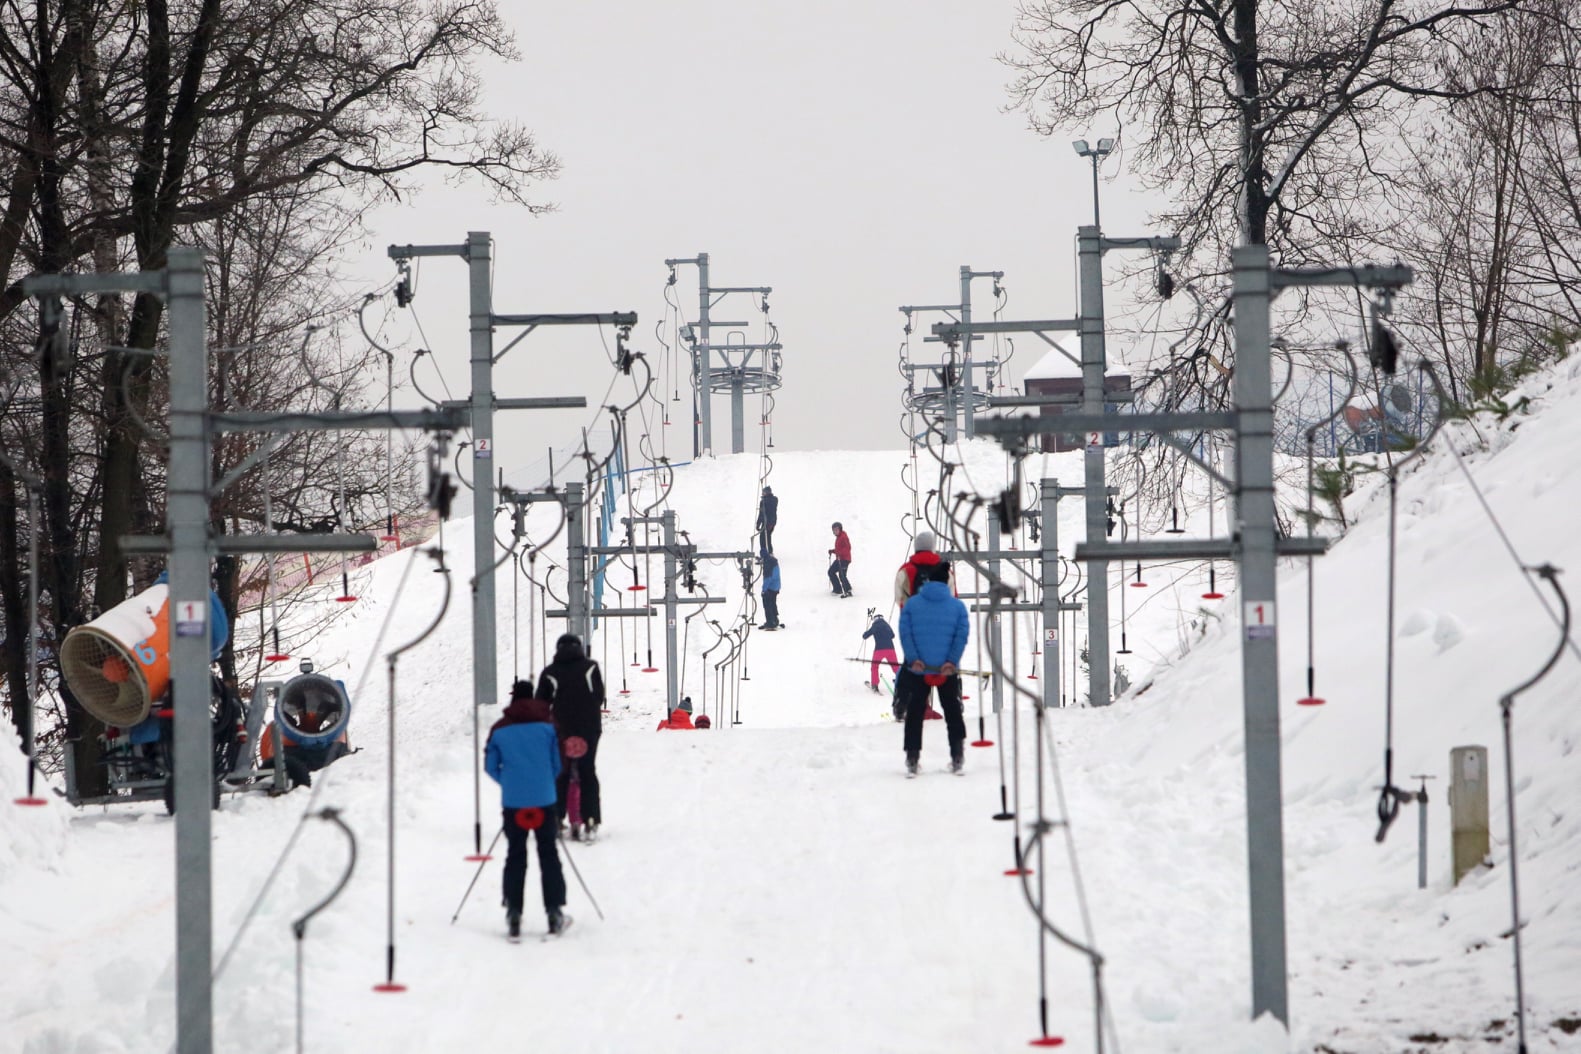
x=577, y=872
x=477, y=875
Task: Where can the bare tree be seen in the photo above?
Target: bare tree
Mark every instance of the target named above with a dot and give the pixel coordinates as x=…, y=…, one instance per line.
x=123, y=125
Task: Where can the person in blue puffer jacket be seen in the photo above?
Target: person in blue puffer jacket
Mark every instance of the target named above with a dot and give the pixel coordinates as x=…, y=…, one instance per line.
x=523, y=757
x=771, y=593
x=934, y=627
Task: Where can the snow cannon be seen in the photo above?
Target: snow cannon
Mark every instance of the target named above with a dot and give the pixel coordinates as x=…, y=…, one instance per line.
x=118, y=665
x=312, y=710
x=311, y=714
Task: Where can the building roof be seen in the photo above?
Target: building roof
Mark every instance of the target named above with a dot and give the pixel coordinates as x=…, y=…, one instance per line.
x=1056, y=364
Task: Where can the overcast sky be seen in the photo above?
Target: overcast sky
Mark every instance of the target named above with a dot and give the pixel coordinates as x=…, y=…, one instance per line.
x=852, y=155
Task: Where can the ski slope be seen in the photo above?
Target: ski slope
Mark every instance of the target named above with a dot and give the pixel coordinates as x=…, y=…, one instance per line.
x=778, y=886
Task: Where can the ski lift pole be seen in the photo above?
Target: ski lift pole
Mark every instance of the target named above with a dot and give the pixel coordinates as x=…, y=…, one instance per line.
x=299, y=926
x=1421, y=831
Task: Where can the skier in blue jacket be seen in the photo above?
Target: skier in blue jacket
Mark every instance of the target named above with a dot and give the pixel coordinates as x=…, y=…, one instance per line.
x=523, y=757
x=771, y=592
x=933, y=630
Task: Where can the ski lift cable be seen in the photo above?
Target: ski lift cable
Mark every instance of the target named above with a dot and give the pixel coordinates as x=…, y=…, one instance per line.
x=1504, y=537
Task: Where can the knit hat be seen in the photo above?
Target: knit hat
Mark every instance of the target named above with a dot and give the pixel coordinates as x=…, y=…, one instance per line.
x=923, y=541
x=521, y=690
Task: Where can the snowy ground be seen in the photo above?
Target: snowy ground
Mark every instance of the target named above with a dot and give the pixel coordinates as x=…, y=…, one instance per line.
x=778, y=886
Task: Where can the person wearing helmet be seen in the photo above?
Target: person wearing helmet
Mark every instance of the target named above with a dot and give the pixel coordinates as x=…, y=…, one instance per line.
x=914, y=572
x=574, y=687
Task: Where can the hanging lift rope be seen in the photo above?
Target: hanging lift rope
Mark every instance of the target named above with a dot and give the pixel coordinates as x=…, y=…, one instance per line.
x=1562, y=620
x=1312, y=698
x=999, y=592
x=389, y=984
x=390, y=534
x=1391, y=797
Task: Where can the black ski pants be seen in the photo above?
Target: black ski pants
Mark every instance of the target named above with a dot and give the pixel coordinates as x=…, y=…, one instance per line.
x=771, y=607
x=837, y=577
x=917, y=709
x=586, y=775
x=552, y=878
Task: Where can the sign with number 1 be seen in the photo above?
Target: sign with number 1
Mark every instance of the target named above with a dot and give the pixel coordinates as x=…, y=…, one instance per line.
x=1258, y=617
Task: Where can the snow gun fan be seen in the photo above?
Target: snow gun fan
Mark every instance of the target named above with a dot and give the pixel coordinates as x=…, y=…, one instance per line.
x=118, y=665
x=312, y=711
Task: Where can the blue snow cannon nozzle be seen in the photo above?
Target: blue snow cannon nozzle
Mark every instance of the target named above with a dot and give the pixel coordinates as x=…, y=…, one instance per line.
x=312, y=710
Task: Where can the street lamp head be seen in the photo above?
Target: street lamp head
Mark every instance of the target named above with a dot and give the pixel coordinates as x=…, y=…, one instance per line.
x=1105, y=145
x=1081, y=147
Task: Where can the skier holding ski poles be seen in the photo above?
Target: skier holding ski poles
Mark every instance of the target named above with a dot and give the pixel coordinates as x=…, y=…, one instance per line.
x=523, y=757
x=883, y=649
x=934, y=628
x=841, y=562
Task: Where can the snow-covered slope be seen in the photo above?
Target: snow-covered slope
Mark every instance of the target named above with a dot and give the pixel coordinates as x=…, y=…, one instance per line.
x=777, y=886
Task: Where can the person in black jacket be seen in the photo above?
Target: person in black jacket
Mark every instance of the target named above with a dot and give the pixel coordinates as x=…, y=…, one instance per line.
x=574, y=686
x=768, y=515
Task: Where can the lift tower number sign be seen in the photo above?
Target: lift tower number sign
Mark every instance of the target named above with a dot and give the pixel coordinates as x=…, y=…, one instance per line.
x=1258, y=617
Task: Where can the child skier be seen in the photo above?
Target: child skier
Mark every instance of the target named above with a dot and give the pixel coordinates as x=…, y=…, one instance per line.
x=883, y=650
x=523, y=757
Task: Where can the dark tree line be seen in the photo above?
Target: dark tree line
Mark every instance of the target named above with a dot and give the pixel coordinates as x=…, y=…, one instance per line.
x=260, y=131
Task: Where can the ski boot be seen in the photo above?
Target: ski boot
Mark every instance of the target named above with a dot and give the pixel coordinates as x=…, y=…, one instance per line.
x=911, y=763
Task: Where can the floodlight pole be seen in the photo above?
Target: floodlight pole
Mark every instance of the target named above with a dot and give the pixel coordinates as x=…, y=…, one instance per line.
x=1256, y=527
x=1089, y=252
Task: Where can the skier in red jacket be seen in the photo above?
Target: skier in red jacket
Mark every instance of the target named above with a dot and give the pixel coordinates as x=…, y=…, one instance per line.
x=842, y=560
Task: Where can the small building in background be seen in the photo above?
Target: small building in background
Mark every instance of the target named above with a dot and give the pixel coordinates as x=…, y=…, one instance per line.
x=1059, y=373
